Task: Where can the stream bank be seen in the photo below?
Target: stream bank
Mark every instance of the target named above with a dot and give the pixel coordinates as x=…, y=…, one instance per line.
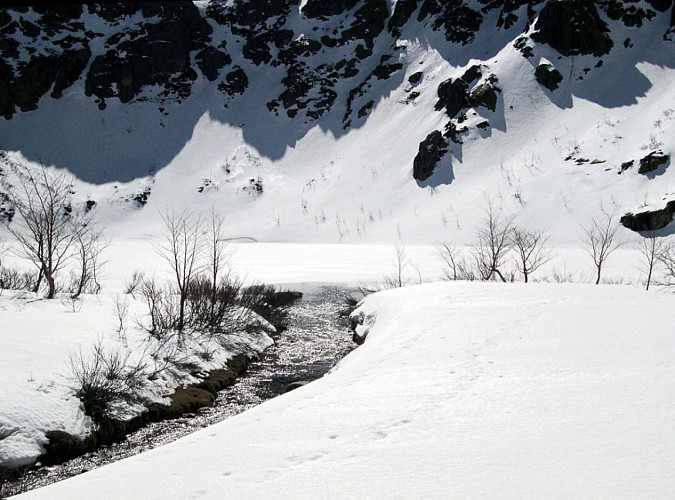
x=317, y=337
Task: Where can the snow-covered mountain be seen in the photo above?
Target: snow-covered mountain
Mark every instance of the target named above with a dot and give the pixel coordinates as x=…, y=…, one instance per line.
x=351, y=120
x=352, y=125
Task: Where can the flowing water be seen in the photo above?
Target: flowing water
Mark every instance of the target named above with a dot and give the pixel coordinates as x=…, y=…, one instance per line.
x=317, y=337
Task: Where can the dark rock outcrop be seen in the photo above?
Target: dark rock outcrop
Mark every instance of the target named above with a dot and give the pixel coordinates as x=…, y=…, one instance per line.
x=453, y=94
x=431, y=151
x=158, y=52
x=459, y=21
x=211, y=60
x=485, y=94
x=235, y=82
x=652, y=161
x=403, y=10
x=320, y=9
x=573, y=27
x=548, y=76
x=650, y=220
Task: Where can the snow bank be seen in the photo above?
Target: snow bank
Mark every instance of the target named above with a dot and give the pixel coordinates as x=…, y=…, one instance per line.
x=461, y=389
x=38, y=340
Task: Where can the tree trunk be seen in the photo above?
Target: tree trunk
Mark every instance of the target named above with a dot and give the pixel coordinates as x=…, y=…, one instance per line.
x=51, y=286
x=38, y=282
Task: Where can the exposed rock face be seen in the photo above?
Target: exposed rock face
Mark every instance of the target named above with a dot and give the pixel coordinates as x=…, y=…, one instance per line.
x=548, y=76
x=652, y=161
x=156, y=53
x=453, y=95
x=431, y=151
x=459, y=21
x=326, y=57
x=573, y=27
x=650, y=220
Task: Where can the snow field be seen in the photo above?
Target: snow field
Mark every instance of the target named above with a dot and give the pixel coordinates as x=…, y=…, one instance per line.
x=460, y=390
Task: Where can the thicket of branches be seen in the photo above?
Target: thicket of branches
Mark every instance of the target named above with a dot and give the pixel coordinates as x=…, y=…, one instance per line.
x=48, y=231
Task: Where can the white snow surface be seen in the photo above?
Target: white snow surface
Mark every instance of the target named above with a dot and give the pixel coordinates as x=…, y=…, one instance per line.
x=460, y=390
x=556, y=390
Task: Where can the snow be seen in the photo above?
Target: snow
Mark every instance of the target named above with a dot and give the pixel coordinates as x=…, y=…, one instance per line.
x=460, y=390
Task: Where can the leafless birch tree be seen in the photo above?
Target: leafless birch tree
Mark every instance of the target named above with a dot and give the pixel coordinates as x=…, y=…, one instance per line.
x=652, y=249
x=494, y=242
x=181, y=250
x=600, y=240
x=531, y=250
x=45, y=229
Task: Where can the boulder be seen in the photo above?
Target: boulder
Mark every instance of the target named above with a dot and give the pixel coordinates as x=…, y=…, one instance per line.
x=431, y=150
x=187, y=400
x=295, y=385
x=650, y=220
x=548, y=76
x=652, y=161
x=61, y=447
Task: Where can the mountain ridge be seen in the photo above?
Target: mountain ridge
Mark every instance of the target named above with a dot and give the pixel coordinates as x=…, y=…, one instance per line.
x=144, y=76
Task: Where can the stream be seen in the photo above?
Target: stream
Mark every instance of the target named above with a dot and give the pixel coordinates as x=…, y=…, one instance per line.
x=317, y=337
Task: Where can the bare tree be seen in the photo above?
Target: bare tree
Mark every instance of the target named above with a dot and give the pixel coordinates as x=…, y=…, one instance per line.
x=531, y=250
x=45, y=230
x=181, y=250
x=666, y=258
x=401, y=261
x=494, y=242
x=651, y=250
x=89, y=249
x=600, y=240
x=217, y=252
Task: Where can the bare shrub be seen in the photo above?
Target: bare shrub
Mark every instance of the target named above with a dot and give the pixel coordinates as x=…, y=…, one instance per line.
x=456, y=265
x=213, y=309
x=163, y=308
x=105, y=381
x=667, y=260
x=136, y=280
x=89, y=245
x=259, y=298
x=400, y=277
x=122, y=312
x=15, y=279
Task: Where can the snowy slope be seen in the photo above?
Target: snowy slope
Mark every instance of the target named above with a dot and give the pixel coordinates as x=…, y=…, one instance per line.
x=324, y=183
x=460, y=390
